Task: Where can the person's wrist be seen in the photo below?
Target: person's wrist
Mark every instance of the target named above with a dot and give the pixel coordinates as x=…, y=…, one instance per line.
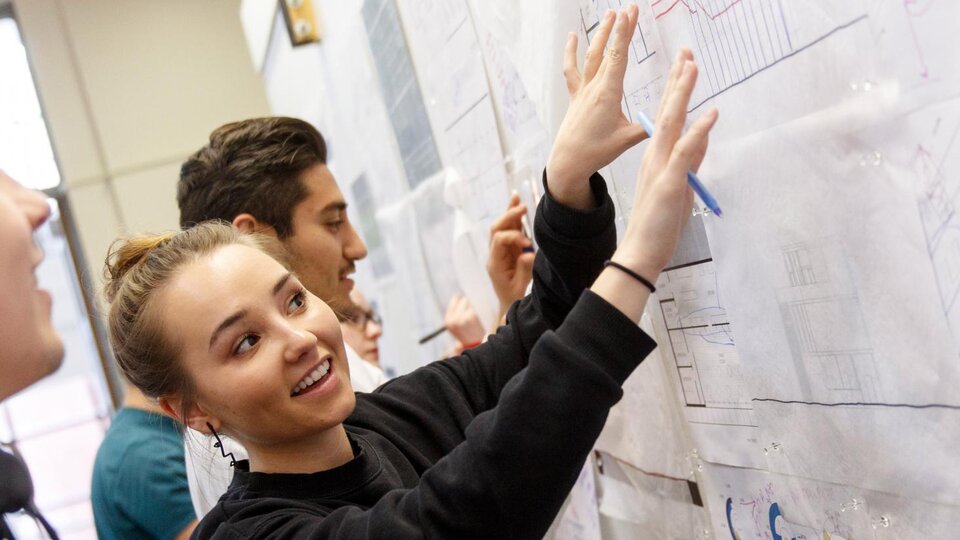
x=568, y=183
x=639, y=262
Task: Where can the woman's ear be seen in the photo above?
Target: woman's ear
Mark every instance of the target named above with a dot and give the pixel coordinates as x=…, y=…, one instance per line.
x=192, y=416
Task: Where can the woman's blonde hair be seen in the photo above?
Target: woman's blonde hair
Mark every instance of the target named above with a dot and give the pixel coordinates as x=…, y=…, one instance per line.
x=137, y=268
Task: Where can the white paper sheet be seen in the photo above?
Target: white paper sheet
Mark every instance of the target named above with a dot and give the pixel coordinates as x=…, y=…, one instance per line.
x=401, y=90
x=753, y=504
x=646, y=428
x=447, y=55
x=419, y=240
x=639, y=505
x=840, y=321
x=917, y=46
x=580, y=519
x=698, y=341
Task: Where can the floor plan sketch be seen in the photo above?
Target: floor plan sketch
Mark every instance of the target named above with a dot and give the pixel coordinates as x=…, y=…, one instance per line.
x=825, y=327
x=702, y=345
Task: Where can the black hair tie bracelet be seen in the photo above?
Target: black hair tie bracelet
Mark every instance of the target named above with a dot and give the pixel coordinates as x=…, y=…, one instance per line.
x=632, y=274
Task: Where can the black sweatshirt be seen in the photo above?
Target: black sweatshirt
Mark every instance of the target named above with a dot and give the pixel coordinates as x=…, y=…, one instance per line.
x=484, y=445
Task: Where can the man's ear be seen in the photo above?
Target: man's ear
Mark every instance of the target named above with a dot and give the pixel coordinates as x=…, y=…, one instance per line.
x=193, y=416
x=247, y=223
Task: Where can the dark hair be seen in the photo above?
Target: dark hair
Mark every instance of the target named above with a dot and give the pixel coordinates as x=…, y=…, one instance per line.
x=252, y=166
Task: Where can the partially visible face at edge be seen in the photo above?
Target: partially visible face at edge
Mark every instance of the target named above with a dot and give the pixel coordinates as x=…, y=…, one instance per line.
x=324, y=245
x=363, y=340
x=248, y=334
x=31, y=349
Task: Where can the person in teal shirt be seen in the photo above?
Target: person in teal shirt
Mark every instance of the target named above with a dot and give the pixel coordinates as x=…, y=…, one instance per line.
x=139, y=477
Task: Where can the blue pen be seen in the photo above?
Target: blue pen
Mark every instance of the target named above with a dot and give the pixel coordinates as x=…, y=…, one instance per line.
x=692, y=179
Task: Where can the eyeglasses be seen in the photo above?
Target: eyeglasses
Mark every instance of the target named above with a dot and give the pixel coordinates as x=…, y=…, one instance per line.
x=361, y=318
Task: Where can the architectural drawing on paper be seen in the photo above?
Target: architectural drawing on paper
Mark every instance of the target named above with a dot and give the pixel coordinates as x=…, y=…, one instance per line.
x=449, y=61
x=401, y=91
x=590, y=14
x=702, y=346
x=737, y=39
x=938, y=189
x=640, y=93
x=523, y=132
x=825, y=326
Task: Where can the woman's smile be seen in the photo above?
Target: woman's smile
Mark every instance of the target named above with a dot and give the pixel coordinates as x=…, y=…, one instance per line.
x=319, y=380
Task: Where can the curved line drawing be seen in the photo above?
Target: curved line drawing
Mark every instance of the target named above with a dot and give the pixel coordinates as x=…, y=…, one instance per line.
x=733, y=534
x=774, y=514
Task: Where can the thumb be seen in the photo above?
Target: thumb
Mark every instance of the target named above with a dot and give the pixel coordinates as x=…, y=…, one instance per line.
x=525, y=265
x=633, y=134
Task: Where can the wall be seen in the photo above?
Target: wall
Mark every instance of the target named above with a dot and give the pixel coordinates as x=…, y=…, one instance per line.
x=129, y=90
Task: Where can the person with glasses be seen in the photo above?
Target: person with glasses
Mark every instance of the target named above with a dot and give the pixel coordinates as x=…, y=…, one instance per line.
x=362, y=327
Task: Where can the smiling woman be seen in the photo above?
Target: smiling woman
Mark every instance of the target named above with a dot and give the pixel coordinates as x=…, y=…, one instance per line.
x=483, y=445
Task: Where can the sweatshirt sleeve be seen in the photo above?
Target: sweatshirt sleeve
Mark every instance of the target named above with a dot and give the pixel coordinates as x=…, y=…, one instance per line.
x=573, y=247
x=509, y=477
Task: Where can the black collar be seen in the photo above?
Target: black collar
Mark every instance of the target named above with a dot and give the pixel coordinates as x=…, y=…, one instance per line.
x=329, y=484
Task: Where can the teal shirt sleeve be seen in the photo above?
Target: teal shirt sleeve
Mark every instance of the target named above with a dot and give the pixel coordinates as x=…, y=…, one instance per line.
x=154, y=492
x=139, y=484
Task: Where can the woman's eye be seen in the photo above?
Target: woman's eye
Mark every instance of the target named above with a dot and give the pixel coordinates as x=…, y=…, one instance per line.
x=297, y=301
x=246, y=343
x=335, y=225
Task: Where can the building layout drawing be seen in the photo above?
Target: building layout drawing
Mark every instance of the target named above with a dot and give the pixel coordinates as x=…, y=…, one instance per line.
x=703, y=347
x=737, y=39
x=825, y=326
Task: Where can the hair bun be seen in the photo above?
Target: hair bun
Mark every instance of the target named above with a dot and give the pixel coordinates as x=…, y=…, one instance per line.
x=128, y=253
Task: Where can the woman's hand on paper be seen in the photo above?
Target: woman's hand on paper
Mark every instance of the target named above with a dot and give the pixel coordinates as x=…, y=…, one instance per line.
x=594, y=131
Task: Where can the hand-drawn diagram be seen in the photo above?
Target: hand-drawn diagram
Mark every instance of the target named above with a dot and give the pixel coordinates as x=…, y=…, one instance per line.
x=592, y=11
x=449, y=61
x=642, y=87
x=761, y=512
x=526, y=141
x=935, y=165
x=641, y=90
x=914, y=10
x=825, y=326
x=702, y=345
x=915, y=46
x=747, y=504
x=737, y=39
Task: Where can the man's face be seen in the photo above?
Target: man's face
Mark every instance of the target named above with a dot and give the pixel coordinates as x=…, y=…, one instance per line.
x=324, y=245
x=31, y=347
